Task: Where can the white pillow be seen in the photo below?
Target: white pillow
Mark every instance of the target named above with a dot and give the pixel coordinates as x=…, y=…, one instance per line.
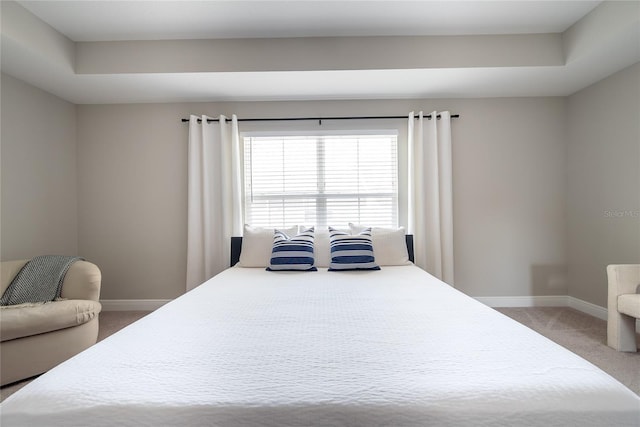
x=322, y=248
x=389, y=244
x=257, y=243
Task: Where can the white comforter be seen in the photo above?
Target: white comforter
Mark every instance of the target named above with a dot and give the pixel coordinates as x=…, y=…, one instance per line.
x=394, y=347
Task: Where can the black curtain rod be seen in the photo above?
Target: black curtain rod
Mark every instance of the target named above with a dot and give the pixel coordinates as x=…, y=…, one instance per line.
x=320, y=119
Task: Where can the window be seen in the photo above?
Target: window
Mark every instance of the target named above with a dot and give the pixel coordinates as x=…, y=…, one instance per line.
x=321, y=180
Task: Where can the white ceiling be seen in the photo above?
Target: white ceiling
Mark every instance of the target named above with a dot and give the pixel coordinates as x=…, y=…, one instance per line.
x=166, y=20
x=84, y=23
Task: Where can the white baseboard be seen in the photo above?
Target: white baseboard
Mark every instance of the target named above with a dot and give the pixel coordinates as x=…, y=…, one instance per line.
x=132, y=304
x=587, y=307
x=525, y=301
x=549, y=301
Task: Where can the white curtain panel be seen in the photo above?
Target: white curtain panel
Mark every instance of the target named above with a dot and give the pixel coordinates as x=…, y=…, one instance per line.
x=430, y=195
x=214, y=203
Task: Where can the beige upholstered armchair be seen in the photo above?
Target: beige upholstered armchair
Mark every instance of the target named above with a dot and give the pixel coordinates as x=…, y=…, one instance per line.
x=623, y=306
x=36, y=337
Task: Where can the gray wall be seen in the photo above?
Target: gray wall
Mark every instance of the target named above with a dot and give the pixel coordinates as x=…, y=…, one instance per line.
x=39, y=179
x=603, y=197
x=132, y=194
x=509, y=189
x=546, y=190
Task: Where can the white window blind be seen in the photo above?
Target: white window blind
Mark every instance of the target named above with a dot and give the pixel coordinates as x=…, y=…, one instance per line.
x=321, y=180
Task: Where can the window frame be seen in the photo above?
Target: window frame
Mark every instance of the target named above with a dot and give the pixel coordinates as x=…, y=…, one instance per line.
x=320, y=196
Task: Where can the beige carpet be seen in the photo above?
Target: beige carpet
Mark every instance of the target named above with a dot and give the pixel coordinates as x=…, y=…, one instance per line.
x=583, y=334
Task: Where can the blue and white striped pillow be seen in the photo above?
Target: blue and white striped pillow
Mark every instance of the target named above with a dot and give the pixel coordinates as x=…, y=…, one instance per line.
x=292, y=253
x=351, y=252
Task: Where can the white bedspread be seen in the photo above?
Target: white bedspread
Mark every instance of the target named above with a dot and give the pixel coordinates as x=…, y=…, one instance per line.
x=394, y=347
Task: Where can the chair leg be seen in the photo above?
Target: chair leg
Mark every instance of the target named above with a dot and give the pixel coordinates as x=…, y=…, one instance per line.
x=621, y=332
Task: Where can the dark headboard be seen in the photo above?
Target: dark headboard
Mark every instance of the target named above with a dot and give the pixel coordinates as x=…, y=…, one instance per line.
x=236, y=248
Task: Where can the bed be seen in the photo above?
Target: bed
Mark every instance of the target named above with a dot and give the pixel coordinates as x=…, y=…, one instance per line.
x=394, y=347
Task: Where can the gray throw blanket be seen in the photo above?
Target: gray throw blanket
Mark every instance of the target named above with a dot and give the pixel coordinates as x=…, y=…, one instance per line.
x=40, y=280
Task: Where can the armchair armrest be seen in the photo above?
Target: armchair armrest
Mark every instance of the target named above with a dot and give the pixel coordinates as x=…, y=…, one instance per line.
x=82, y=281
x=8, y=271
x=623, y=279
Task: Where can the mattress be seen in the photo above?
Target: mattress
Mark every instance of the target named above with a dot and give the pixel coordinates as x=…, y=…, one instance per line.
x=394, y=347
